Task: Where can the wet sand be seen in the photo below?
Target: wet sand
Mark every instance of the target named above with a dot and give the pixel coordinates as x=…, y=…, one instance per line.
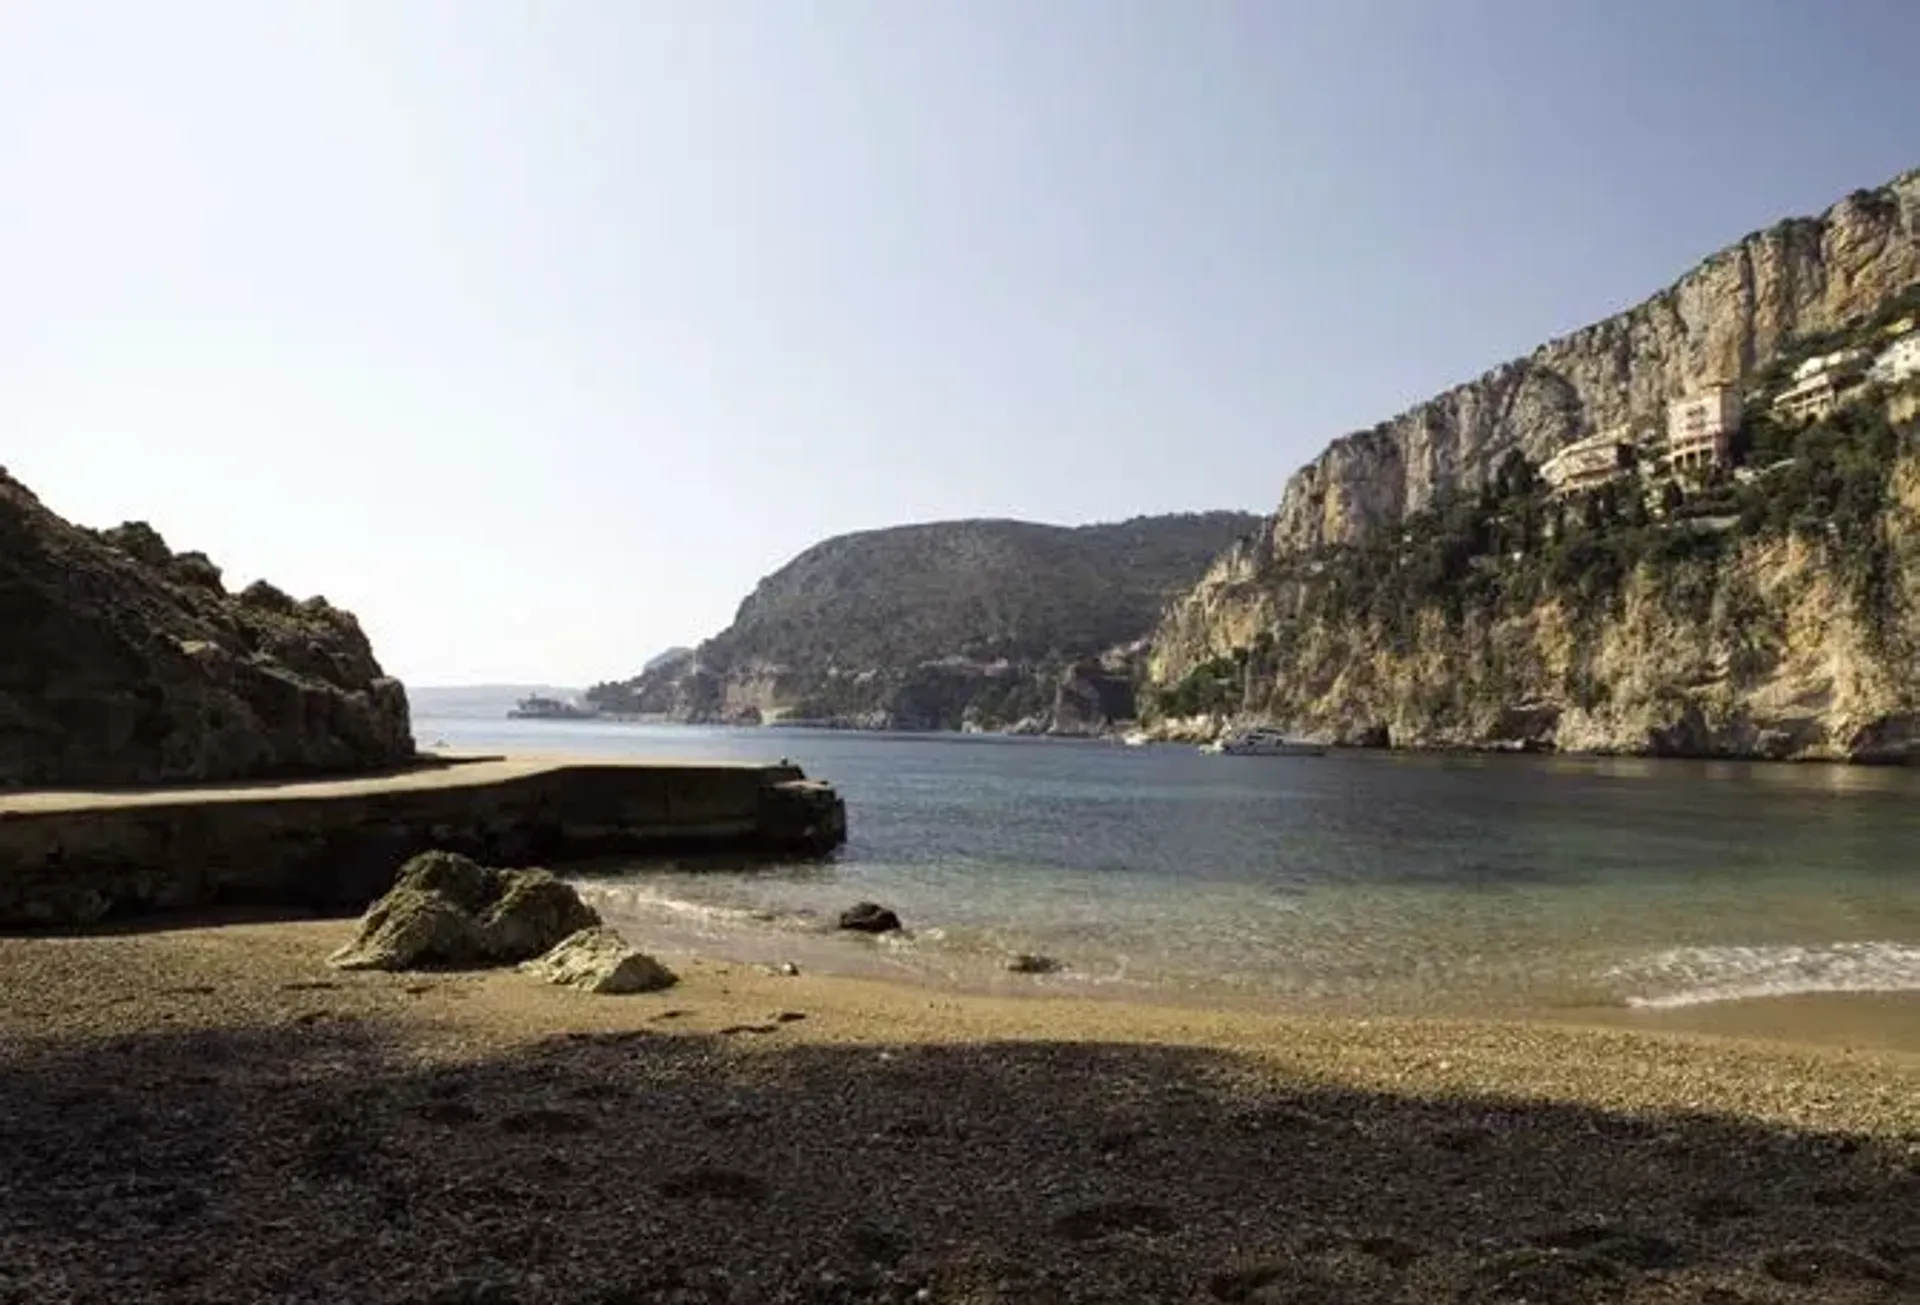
x=208, y=1113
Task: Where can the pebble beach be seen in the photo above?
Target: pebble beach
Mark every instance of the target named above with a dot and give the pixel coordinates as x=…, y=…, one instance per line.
x=203, y=1111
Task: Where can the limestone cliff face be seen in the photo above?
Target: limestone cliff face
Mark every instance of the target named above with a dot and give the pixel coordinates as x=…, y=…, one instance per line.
x=1719, y=323
x=122, y=662
x=1770, y=652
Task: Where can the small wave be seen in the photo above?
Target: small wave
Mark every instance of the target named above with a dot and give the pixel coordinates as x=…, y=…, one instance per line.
x=1692, y=976
x=630, y=899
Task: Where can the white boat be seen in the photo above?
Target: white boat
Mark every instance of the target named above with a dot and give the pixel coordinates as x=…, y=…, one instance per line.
x=1137, y=739
x=1263, y=742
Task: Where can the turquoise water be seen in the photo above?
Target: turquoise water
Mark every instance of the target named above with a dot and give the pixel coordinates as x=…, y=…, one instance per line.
x=1476, y=884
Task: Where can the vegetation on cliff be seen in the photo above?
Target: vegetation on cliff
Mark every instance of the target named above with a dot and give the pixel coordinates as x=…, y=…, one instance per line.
x=1418, y=585
x=1655, y=608
x=939, y=626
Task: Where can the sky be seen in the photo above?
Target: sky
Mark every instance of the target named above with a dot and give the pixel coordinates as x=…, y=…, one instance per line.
x=537, y=331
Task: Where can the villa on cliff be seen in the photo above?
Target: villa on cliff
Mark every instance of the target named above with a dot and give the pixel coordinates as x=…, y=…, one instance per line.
x=1820, y=385
x=1698, y=437
x=1592, y=462
x=1700, y=429
x=1701, y=426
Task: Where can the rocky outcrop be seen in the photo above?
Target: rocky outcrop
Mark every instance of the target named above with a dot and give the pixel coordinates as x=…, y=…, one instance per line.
x=1776, y=647
x=447, y=912
x=1092, y=697
x=123, y=662
x=599, y=960
x=1771, y=656
x=1721, y=323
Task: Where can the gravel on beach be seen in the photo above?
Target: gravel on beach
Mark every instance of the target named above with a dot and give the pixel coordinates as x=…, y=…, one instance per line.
x=209, y=1114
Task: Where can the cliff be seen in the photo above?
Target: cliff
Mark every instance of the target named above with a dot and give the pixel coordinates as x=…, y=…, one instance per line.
x=1720, y=323
x=122, y=662
x=949, y=625
x=1416, y=587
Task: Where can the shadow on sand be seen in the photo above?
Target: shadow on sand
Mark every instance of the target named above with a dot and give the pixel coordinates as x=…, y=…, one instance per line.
x=321, y=1162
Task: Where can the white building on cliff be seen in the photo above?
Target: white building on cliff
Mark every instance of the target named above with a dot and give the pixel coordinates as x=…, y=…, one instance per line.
x=1590, y=462
x=1899, y=361
x=1821, y=385
x=1700, y=429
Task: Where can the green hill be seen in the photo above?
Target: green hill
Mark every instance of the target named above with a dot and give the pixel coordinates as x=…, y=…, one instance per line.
x=936, y=626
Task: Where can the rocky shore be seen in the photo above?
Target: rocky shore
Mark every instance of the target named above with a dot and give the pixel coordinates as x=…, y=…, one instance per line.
x=213, y=1114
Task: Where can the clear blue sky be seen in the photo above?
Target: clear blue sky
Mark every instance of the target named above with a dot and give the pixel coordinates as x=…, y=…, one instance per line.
x=536, y=332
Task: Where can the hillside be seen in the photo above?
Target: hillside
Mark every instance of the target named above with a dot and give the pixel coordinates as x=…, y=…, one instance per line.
x=939, y=626
x=123, y=662
x=1419, y=585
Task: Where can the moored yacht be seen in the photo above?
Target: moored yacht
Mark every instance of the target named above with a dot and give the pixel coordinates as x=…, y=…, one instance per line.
x=1260, y=741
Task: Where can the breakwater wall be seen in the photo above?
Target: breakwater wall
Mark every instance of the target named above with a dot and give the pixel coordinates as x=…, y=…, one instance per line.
x=71, y=858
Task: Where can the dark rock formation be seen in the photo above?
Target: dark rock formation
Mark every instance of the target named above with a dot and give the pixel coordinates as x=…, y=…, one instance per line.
x=869, y=917
x=1091, y=698
x=1030, y=963
x=122, y=662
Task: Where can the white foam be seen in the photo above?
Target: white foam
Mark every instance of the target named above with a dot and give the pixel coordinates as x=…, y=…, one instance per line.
x=1692, y=976
x=634, y=899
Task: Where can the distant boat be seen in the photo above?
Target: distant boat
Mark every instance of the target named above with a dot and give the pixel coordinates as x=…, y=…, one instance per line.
x=1136, y=739
x=1263, y=742
x=538, y=708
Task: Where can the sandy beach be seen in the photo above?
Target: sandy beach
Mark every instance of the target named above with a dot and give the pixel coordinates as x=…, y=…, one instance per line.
x=208, y=1113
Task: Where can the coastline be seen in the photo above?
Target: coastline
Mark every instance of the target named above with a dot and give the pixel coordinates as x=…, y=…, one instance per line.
x=1860, y=1020
x=1188, y=735
x=105, y=982
x=202, y=1110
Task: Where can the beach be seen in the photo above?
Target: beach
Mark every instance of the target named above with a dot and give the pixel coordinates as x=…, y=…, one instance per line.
x=202, y=1110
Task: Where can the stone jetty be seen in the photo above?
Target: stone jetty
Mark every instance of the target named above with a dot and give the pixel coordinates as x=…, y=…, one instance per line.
x=72, y=858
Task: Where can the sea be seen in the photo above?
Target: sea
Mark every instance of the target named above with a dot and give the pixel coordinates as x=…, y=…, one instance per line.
x=1363, y=881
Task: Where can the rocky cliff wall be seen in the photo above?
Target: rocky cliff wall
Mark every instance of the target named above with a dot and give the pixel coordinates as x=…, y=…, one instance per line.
x=122, y=662
x=1772, y=651
x=1720, y=323
x=1804, y=645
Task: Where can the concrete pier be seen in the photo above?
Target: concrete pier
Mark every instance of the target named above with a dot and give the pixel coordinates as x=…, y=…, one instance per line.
x=69, y=858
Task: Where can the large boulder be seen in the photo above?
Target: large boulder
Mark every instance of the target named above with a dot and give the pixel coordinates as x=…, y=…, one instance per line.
x=600, y=960
x=122, y=662
x=446, y=912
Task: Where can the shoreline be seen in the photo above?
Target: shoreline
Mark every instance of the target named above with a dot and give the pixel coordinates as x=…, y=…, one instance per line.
x=1116, y=735
x=204, y=1111
x=1887, y=1019
x=256, y=954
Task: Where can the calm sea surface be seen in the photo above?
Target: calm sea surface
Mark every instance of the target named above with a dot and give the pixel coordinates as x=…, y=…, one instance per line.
x=1383, y=881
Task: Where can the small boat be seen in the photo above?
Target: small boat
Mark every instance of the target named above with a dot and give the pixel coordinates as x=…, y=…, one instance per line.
x=1136, y=739
x=1263, y=742
x=538, y=708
